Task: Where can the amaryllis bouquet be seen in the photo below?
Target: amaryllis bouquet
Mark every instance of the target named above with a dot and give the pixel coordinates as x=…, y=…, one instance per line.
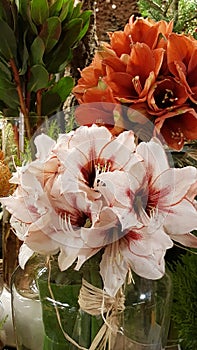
x=88, y=183
x=91, y=192
x=150, y=69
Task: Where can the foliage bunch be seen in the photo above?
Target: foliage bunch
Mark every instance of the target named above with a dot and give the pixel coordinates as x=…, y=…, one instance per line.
x=37, y=38
x=182, y=12
x=185, y=301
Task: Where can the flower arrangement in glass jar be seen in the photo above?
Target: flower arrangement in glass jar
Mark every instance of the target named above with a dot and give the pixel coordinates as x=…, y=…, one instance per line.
x=92, y=193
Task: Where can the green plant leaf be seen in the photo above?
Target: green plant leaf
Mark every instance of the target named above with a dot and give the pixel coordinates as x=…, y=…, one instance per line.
x=55, y=8
x=9, y=111
x=53, y=99
x=39, y=11
x=70, y=9
x=50, y=33
x=24, y=10
x=63, y=87
x=25, y=55
x=64, y=11
x=5, y=82
x=23, y=7
x=86, y=22
x=86, y=15
x=76, y=10
x=39, y=78
x=5, y=12
x=57, y=59
x=10, y=97
x=4, y=69
x=37, y=51
x=51, y=103
x=72, y=31
x=68, y=296
x=8, y=46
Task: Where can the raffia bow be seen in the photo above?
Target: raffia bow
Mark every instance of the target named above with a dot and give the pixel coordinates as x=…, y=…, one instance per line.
x=95, y=301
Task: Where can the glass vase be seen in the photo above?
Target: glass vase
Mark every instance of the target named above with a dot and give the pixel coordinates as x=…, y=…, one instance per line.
x=69, y=310
x=26, y=306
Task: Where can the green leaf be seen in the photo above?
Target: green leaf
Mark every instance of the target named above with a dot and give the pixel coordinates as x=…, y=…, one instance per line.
x=24, y=10
x=5, y=71
x=58, y=59
x=86, y=22
x=23, y=7
x=53, y=99
x=86, y=15
x=51, y=103
x=55, y=8
x=25, y=55
x=51, y=32
x=10, y=97
x=63, y=87
x=70, y=9
x=5, y=82
x=37, y=51
x=76, y=10
x=39, y=78
x=67, y=295
x=5, y=12
x=9, y=112
x=39, y=11
x=8, y=46
x=66, y=11
x=51, y=345
x=72, y=31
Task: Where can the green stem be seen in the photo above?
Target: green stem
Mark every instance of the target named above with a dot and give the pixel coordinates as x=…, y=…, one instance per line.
x=20, y=95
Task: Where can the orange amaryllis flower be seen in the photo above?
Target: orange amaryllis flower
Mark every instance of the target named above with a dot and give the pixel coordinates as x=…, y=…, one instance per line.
x=147, y=31
x=182, y=61
x=166, y=95
x=149, y=70
x=120, y=42
x=141, y=69
x=178, y=126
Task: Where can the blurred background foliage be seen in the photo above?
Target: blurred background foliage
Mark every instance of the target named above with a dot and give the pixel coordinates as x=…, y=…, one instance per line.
x=182, y=12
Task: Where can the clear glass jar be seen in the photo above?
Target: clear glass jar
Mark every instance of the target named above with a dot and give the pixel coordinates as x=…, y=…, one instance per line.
x=47, y=314
x=26, y=306
x=147, y=314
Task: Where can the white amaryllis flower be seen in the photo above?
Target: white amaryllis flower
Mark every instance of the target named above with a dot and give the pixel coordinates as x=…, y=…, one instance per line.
x=57, y=193
x=90, y=191
x=159, y=196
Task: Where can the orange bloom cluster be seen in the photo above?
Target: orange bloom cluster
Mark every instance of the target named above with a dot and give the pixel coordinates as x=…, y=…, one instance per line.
x=151, y=71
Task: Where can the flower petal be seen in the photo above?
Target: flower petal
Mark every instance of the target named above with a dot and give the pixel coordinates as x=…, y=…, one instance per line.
x=43, y=152
x=181, y=218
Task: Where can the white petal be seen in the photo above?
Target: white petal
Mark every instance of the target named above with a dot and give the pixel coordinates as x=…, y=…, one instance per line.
x=44, y=145
x=114, y=267
x=102, y=232
x=186, y=239
x=181, y=218
x=24, y=254
x=90, y=140
x=120, y=150
x=41, y=243
x=154, y=156
x=173, y=184
x=118, y=188
x=66, y=257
